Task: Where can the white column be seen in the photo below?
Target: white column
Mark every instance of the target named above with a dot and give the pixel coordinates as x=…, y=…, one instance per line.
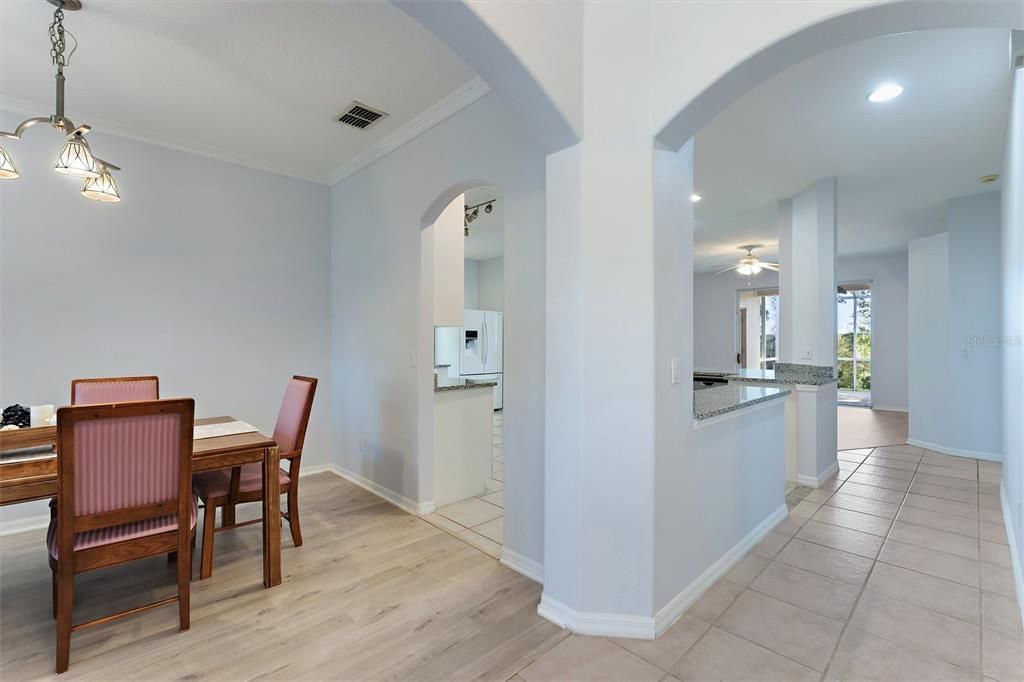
x=807, y=276
x=807, y=322
x=600, y=330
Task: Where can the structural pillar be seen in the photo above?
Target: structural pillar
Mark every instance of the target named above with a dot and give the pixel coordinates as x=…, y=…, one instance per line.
x=807, y=321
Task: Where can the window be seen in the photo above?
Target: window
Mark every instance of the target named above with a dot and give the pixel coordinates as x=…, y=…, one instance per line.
x=853, y=344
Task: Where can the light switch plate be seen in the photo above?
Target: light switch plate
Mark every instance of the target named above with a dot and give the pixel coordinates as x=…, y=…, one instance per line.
x=675, y=370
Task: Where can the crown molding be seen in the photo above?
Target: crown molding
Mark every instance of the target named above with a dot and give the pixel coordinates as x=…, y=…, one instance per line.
x=104, y=126
x=450, y=105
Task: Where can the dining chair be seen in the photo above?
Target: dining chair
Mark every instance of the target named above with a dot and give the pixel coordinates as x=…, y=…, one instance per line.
x=114, y=390
x=227, y=488
x=124, y=492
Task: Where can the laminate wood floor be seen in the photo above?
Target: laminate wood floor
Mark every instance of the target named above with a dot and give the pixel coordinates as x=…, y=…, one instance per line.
x=373, y=593
x=861, y=427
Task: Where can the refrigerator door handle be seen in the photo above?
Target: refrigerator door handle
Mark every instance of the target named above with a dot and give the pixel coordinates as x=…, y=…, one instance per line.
x=484, y=344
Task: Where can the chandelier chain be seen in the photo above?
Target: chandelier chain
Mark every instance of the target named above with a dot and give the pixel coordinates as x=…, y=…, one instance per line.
x=57, y=38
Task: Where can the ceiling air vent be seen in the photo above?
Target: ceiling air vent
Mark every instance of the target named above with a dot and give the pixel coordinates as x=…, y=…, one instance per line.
x=360, y=116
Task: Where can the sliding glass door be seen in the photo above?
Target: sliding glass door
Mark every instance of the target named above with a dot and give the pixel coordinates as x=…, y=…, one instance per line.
x=853, y=347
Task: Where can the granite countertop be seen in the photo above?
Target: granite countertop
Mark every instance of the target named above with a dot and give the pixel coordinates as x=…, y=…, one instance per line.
x=459, y=384
x=786, y=373
x=726, y=398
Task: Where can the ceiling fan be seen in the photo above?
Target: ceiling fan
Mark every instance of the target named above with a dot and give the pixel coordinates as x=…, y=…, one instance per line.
x=750, y=264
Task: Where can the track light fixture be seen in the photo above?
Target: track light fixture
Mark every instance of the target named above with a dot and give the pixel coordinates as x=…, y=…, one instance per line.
x=473, y=212
x=76, y=158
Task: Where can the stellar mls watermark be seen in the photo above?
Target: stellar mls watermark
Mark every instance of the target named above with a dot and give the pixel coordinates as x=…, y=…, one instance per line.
x=990, y=341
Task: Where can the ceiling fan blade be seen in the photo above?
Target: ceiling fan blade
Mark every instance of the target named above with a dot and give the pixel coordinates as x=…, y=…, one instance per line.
x=731, y=267
x=770, y=266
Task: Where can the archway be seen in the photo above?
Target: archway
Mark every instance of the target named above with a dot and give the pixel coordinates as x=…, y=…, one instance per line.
x=461, y=375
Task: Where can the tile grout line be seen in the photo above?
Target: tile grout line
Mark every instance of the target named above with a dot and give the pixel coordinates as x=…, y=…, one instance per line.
x=860, y=594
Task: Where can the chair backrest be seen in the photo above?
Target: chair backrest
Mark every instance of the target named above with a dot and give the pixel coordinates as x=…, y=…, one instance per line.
x=114, y=390
x=123, y=462
x=293, y=417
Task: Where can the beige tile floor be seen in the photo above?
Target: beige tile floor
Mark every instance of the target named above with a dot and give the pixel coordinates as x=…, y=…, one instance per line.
x=480, y=520
x=896, y=569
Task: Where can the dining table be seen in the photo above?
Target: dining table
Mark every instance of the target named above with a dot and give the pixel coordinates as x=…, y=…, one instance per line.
x=28, y=471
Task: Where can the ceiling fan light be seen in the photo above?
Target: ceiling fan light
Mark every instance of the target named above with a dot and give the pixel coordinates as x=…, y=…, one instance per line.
x=755, y=268
x=7, y=169
x=746, y=269
x=102, y=188
x=76, y=159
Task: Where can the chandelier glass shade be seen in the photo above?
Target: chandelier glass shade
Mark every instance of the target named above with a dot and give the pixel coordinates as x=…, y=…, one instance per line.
x=102, y=188
x=7, y=169
x=76, y=158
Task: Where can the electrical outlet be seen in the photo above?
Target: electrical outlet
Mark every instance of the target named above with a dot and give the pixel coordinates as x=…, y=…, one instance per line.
x=674, y=370
x=805, y=353
x=362, y=444
x=965, y=353
x=412, y=359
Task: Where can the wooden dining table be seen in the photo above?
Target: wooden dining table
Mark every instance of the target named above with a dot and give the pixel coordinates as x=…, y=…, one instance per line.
x=28, y=471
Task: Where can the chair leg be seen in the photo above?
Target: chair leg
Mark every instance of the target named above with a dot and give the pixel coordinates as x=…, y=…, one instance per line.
x=184, y=576
x=227, y=515
x=65, y=597
x=53, y=587
x=209, y=517
x=293, y=513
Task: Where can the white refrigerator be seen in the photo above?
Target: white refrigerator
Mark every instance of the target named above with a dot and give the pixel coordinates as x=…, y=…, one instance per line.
x=481, y=351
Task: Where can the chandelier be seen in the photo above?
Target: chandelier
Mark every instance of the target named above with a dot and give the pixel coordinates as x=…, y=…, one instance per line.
x=76, y=158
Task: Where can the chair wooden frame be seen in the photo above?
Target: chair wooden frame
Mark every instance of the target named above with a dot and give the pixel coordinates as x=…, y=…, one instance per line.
x=71, y=562
x=97, y=380
x=236, y=497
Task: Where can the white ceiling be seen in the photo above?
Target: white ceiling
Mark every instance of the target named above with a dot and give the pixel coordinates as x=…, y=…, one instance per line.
x=487, y=233
x=257, y=82
x=896, y=163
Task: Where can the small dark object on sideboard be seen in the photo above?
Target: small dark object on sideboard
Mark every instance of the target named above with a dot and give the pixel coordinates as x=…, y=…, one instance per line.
x=19, y=415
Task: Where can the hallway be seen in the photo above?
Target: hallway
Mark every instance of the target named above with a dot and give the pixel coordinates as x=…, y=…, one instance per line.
x=897, y=569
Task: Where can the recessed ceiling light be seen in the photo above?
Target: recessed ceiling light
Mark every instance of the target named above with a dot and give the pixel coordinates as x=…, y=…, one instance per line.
x=695, y=198
x=988, y=178
x=885, y=92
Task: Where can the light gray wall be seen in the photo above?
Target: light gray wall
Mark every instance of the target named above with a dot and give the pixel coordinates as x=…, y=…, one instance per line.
x=714, y=316
x=975, y=304
x=376, y=219
x=955, y=307
x=472, y=284
x=928, y=318
x=492, y=284
x=1013, y=324
x=212, y=276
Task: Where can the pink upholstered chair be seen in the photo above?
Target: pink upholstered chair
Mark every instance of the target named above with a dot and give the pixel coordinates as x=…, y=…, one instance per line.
x=226, y=488
x=124, y=492
x=114, y=390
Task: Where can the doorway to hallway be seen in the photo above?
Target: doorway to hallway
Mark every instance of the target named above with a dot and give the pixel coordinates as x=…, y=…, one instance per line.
x=853, y=344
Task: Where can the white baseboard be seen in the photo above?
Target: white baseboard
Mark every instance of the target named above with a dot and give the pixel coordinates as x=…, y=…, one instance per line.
x=522, y=564
x=1015, y=558
x=397, y=499
x=812, y=482
x=888, y=408
x=647, y=627
x=955, y=452
x=597, y=624
x=670, y=613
